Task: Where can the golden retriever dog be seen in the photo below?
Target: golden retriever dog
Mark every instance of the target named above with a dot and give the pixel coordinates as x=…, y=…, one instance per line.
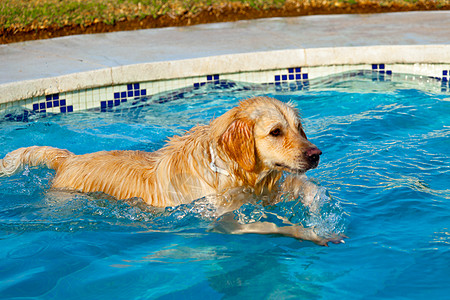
x=247, y=148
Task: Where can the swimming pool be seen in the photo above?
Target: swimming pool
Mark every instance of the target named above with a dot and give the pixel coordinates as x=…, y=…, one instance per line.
x=383, y=180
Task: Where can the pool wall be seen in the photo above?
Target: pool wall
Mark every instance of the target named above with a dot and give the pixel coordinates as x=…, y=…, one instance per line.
x=60, y=83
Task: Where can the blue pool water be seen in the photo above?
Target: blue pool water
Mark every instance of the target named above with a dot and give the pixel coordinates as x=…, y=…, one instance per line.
x=383, y=180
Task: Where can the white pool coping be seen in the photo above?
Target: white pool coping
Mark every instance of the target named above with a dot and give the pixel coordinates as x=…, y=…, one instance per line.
x=37, y=68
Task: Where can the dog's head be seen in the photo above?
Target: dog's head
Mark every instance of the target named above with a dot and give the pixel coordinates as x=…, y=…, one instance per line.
x=266, y=134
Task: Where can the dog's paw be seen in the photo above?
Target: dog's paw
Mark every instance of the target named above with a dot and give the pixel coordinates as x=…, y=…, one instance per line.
x=335, y=239
x=309, y=234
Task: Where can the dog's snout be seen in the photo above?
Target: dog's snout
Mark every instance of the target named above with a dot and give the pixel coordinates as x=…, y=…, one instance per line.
x=313, y=154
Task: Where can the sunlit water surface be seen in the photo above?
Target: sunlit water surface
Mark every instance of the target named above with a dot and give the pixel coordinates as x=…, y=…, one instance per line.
x=383, y=180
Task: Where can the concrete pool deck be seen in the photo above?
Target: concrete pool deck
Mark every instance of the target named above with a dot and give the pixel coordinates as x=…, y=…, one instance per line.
x=36, y=68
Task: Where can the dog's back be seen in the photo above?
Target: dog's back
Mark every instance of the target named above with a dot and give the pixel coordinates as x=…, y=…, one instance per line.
x=122, y=174
x=170, y=176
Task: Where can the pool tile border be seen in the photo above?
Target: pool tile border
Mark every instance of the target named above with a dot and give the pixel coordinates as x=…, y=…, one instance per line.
x=436, y=76
x=286, y=70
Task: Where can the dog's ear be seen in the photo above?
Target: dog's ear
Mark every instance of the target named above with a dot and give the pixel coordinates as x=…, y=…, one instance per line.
x=238, y=142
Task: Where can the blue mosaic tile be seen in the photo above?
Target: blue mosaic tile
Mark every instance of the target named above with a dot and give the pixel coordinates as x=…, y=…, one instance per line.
x=213, y=77
x=379, y=73
x=294, y=80
x=445, y=75
x=210, y=79
x=133, y=91
x=52, y=101
x=445, y=81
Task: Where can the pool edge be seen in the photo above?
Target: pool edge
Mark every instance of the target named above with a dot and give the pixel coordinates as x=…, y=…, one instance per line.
x=223, y=64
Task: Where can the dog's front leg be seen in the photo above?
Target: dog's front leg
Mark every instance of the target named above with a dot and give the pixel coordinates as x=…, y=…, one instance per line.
x=228, y=224
x=297, y=186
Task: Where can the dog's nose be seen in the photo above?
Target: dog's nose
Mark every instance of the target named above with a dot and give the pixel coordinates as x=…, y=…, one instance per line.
x=313, y=155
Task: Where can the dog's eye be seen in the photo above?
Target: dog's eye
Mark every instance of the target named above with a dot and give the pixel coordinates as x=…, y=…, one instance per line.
x=275, y=132
x=300, y=130
x=302, y=133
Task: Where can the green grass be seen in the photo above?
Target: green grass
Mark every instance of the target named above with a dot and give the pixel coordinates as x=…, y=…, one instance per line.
x=16, y=15
x=40, y=13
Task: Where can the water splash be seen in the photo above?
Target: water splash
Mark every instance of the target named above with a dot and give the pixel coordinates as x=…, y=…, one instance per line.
x=59, y=210
x=314, y=208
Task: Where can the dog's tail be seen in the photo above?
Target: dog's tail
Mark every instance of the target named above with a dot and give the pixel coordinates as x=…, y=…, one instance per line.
x=32, y=156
